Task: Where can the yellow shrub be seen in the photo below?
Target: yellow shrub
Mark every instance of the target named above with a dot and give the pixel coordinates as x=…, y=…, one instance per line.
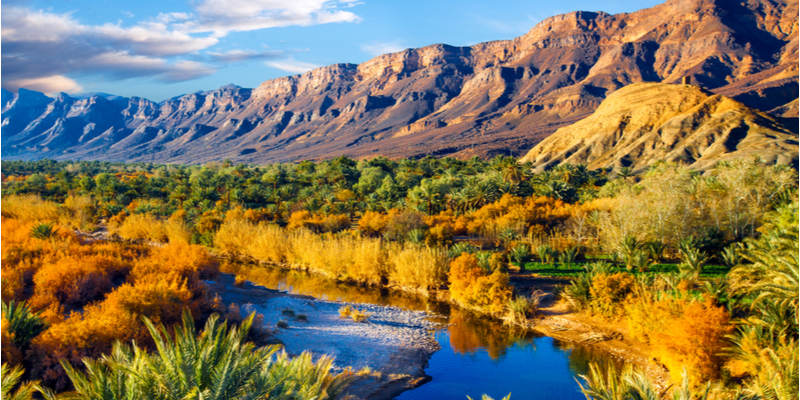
x=439, y=235
x=255, y=216
x=210, y=221
x=177, y=231
x=608, y=291
x=646, y=317
x=694, y=341
x=335, y=223
x=142, y=227
x=370, y=263
x=78, y=212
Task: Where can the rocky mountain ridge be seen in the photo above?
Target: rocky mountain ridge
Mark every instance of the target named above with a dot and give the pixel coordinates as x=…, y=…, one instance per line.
x=496, y=97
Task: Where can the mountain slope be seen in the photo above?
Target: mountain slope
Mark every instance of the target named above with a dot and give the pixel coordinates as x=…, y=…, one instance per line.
x=490, y=98
x=648, y=122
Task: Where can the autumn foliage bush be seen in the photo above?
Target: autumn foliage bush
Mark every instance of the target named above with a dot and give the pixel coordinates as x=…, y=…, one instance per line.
x=108, y=287
x=608, y=291
x=160, y=286
x=694, y=340
x=317, y=222
x=473, y=287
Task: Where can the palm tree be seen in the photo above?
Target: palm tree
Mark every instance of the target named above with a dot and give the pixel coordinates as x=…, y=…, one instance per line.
x=693, y=262
x=43, y=230
x=23, y=324
x=480, y=192
x=624, y=173
x=772, y=274
x=216, y=364
x=633, y=384
x=511, y=170
x=556, y=189
x=10, y=379
x=428, y=195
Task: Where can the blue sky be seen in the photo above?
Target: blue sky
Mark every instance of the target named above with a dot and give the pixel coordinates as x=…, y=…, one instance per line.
x=164, y=48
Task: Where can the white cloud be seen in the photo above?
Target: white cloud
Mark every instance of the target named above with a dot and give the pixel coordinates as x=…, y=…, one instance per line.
x=292, y=65
x=39, y=45
x=223, y=16
x=49, y=85
x=378, y=48
x=50, y=50
x=233, y=56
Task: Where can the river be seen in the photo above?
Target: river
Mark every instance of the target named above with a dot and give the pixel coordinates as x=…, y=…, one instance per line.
x=479, y=355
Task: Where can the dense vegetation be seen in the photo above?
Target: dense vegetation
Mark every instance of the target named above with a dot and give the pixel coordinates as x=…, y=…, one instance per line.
x=421, y=225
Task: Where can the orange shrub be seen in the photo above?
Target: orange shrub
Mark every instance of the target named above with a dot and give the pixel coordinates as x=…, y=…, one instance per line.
x=81, y=335
x=73, y=281
x=515, y=212
x=175, y=262
x=235, y=213
x=608, y=291
x=209, y=221
x=373, y=223
x=162, y=284
x=694, y=341
x=160, y=300
x=335, y=223
x=440, y=235
x=302, y=220
x=318, y=223
x=256, y=216
x=647, y=317
x=471, y=287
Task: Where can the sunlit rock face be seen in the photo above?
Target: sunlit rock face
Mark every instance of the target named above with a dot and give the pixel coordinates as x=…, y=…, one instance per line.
x=500, y=97
x=644, y=123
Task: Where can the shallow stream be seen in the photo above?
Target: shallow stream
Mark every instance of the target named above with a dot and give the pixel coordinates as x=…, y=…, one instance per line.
x=479, y=355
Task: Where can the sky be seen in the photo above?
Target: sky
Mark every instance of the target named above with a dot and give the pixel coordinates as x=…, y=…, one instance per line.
x=158, y=49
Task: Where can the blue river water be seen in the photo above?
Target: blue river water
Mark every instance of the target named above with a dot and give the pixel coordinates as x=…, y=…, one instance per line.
x=532, y=368
x=478, y=355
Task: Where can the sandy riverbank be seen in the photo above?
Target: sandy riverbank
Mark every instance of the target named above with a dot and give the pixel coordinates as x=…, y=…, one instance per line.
x=555, y=319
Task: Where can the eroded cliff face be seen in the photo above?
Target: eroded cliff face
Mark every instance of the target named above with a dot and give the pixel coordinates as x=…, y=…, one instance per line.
x=644, y=123
x=494, y=97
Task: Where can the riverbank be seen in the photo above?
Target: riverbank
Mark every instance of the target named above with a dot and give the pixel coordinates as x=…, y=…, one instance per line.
x=393, y=344
x=555, y=319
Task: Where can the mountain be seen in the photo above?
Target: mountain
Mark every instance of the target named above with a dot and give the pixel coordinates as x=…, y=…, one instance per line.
x=643, y=123
x=492, y=98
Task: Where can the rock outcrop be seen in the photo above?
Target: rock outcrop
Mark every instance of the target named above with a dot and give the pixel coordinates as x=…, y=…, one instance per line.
x=643, y=123
x=491, y=98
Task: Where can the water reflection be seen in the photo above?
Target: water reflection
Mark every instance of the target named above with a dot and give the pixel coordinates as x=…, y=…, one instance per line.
x=479, y=355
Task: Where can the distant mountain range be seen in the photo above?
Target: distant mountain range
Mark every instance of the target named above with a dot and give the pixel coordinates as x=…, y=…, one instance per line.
x=500, y=97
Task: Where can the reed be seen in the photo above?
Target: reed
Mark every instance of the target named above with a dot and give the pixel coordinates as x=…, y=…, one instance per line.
x=415, y=267
x=344, y=257
x=29, y=207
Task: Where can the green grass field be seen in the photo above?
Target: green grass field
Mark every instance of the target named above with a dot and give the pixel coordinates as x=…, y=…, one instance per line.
x=709, y=271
